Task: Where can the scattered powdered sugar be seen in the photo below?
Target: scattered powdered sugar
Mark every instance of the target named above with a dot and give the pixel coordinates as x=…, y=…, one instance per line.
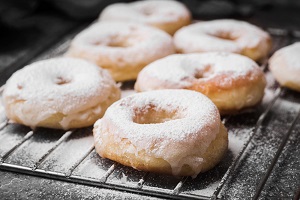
x=181, y=70
x=235, y=143
x=123, y=179
x=59, y=85
x=149, y=12
x=191, y=133
x=208, y=190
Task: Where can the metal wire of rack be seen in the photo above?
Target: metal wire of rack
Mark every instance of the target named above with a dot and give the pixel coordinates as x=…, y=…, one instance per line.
x=89, y=169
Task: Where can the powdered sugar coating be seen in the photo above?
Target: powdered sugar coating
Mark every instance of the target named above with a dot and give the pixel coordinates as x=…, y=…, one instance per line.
x=291, y=54
x=188, y=136
x=285, y=66
x=223, y=35
x=64, y=86
x=122, y=48
x=151, y=12
x=181, y=70
x=143, y=42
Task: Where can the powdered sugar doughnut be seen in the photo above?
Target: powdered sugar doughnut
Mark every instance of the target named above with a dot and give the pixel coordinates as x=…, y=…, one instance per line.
x=59, y=93
x=121, y=48
x=231, y=81
x=223, y=35
x=166, y=15
x=142, y=130
x=285, y=66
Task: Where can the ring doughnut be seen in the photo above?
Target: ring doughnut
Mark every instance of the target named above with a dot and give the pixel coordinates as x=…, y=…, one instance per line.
x=168, y=15
x=223, y=35
x=142, y=130
x=231, y=81
x=285, y=66
x=59, y=93
x=121, y=48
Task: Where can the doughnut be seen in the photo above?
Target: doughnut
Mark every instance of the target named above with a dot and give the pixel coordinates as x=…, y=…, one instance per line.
x=285, y=66
x=231, y=81
x=141, y=131
x=166, y=15
x=121, y=48
x=225, y=36
x=60, y=93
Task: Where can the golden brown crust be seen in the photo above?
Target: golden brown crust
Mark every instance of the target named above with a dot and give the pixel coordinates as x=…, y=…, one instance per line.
x=118, y=150
x=231, y=81
x=259, y=52
x=121, y=72
x=292, y=85
x=229, y=98
x=54, y=120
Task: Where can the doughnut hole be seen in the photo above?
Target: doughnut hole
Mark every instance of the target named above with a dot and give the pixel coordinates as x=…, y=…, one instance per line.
x=153, y=115
x=61, y=81
x=208, y=71
x=147, y=11
x=120, y=41
x=223, y=35
x=112, y=43
x=20, y=87
x=117, y=41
